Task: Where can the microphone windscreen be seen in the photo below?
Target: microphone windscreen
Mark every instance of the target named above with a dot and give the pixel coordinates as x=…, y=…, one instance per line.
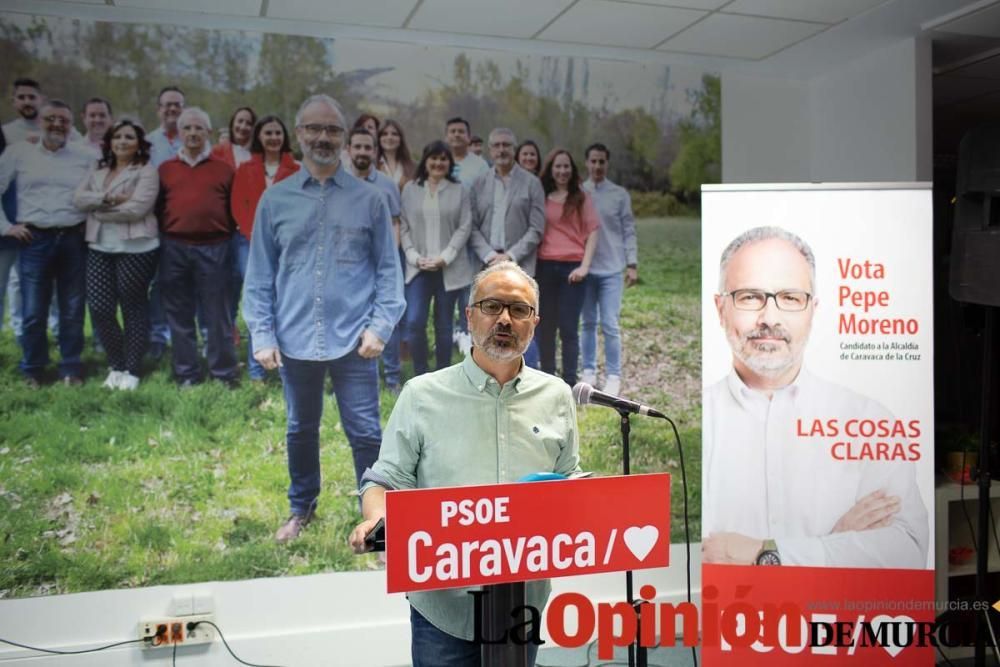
x=581, y=393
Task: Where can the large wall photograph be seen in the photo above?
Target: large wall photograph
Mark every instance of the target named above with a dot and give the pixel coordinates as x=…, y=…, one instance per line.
x=104, y=489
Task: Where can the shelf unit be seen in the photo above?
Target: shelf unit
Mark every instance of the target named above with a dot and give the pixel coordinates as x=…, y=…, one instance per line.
x=952, y=529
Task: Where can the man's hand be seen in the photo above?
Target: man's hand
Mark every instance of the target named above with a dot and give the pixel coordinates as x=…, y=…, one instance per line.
x=500, y=257
x=876, y=510
x=631, y=276
x=357, y=537
x=730, y=548
x=19, y=232
x=371, y=345
x=269, y=357
x=577, y=275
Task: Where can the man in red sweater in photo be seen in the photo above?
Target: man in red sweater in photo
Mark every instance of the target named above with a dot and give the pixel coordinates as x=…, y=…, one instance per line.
x=195, y=263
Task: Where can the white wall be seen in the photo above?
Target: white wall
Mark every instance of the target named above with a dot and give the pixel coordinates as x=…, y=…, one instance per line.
x=765, y=130
x=869, y=120
x=327, y=620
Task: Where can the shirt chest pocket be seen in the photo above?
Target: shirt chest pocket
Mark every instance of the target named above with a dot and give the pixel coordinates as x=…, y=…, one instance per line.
x=519, y=202
x=351, y=244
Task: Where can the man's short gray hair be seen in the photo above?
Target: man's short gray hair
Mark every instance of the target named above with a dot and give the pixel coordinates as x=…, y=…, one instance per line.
x=502, y=130
x=195, y=111
x=320, y=98
x=497, y=268
x=758, y=234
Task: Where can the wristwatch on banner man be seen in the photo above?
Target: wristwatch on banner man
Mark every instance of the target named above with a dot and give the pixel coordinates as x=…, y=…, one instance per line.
x=768, y=554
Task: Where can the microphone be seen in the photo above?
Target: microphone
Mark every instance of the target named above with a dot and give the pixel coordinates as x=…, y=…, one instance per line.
x=584, y=394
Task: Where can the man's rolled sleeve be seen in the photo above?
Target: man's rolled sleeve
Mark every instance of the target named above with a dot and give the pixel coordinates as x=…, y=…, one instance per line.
x=628, y=232
x=397, y=460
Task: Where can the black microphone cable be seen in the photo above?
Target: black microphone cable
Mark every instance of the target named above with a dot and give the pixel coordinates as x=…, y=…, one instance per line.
x=687, y=528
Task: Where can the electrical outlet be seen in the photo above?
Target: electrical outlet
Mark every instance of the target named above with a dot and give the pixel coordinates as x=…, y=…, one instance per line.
x=176, y=630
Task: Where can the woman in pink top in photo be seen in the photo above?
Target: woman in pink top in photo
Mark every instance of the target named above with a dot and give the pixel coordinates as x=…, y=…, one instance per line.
x=564, y=256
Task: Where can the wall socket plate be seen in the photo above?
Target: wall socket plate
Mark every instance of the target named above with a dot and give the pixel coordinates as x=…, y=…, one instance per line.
x=167, y=631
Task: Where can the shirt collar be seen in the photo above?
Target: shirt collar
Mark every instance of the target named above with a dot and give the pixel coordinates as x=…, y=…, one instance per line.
x=745, y=395
x=480, y=379
x=306, y=179
x=183, y=156
x=59, y=151
x=590, y=184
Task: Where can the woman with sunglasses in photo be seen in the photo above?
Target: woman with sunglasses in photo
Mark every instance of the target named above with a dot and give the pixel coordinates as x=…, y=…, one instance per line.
x=564, y=256
x=271, y=161
x=436, y=221
x=124, y=242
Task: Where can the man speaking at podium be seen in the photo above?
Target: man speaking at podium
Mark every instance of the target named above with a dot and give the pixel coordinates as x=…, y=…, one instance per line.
x=772, y=496
x=488, y=419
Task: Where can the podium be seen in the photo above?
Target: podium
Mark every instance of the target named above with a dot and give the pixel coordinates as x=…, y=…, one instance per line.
x=500, y=536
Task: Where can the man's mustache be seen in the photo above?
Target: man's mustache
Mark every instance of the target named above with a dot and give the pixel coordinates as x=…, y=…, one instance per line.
x=504, y=329
x=323, y=146
x=765, y=331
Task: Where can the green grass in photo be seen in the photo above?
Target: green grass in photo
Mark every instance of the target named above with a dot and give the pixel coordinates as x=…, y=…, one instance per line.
x=102, y=489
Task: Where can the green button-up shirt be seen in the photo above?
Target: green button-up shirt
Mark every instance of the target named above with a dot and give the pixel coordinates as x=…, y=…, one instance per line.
x=458, y=427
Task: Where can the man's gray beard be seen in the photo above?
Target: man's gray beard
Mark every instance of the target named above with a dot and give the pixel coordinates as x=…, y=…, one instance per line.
x=760, y=363
x=325, y=161
x=498, y=353
x=51, y=138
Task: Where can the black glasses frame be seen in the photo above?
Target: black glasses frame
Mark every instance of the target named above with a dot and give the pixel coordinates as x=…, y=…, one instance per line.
x=503, y=305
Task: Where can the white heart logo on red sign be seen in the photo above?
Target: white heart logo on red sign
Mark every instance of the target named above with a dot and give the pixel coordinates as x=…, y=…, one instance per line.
x=641, y=540
x=891, y=648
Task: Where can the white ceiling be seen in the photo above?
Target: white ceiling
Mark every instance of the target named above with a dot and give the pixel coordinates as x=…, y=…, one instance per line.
x=788, y=37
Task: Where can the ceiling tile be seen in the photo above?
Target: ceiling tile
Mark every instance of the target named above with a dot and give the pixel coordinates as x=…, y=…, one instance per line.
x=985, y=23
x=825, y=11
x=733, y=36
x=384, y=13
x=619, y=24
x=707, y=5
x=486, y=17
x=231, y=7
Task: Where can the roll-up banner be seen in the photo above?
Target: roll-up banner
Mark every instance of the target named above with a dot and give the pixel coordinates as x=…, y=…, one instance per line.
x=818, y=424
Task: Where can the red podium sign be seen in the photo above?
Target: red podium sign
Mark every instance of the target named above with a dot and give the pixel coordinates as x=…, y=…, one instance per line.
x=497, y=533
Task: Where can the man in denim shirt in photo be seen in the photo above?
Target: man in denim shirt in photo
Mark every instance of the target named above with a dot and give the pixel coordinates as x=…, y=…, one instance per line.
x=322, y=294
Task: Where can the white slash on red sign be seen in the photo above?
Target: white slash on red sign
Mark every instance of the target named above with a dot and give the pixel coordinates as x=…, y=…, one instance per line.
x=497, y=533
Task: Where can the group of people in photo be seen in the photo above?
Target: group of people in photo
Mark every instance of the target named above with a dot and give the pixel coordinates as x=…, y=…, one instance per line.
x=337, y=257
x=160, y=224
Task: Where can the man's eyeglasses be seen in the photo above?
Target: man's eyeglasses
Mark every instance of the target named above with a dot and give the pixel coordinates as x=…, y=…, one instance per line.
x=57, y=120
x=517, y=310
x=315, y=129
x=791, y=301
